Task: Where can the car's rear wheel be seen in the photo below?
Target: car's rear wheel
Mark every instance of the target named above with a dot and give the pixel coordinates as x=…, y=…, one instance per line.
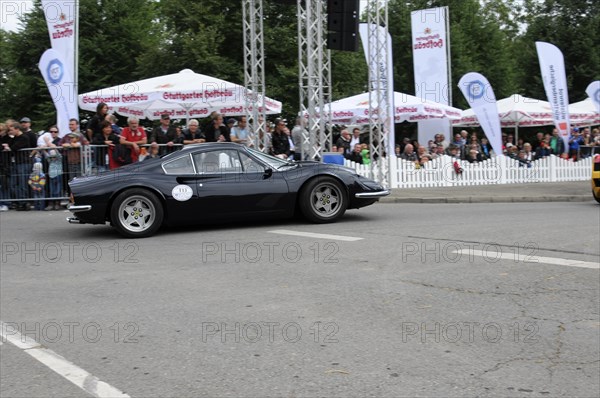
x=323, y=200
x=596, y=197
x=136, y=213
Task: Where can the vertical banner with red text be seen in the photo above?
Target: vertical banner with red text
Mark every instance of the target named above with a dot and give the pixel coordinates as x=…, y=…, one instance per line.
x=552, y=66
x=430, y=44
x=479, y=94
x=60, y=18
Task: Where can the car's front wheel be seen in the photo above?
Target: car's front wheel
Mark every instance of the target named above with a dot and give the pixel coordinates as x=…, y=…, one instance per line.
x=323, y=200
x=136, y=213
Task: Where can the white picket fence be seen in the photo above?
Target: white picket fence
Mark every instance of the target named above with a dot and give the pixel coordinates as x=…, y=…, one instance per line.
x=498, y=170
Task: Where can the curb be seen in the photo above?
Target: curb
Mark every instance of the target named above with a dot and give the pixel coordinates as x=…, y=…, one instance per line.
x=489, y=199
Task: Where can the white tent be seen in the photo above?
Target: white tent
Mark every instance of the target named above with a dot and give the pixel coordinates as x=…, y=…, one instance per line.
x=515, y=111
x=584, y=113
x=355, y=109
x=518, y=111
x=182, y=95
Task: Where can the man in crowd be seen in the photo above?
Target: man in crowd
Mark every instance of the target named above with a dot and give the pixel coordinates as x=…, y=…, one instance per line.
x=133, y=136
x=20, y=164
x=164, y=133
x=409, y=153
x=344, y=143
x=193, y=135
x=355, y=155
x=280, y=142
x=355, y=137
x=241, y=132
x=26, y=129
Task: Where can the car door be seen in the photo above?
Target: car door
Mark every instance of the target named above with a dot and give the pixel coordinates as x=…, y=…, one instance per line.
x=181, y=192
x=231, y=183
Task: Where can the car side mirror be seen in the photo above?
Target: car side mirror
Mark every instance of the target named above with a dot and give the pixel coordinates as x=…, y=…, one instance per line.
x=268, y=173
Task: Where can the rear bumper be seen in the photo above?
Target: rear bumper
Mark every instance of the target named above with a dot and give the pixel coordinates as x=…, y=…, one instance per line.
x=372, y=195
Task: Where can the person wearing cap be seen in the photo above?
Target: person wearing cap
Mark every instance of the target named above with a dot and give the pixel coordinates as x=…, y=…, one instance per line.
x=164, y=133
x=575, y=141
x=26, y=129
x=279, y=140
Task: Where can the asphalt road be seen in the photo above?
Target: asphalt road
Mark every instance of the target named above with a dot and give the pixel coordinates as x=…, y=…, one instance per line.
x=435, y=300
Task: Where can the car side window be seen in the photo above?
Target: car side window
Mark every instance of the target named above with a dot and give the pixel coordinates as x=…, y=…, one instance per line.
x=218, y=161
x=250, y=165
x=182, y=165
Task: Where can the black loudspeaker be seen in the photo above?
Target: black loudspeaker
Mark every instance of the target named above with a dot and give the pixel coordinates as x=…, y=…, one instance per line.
x=343, y=6
x=342, y=24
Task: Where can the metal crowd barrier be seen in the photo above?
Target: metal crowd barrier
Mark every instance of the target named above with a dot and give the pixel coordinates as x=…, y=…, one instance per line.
x=59, y=165
x=587, y=151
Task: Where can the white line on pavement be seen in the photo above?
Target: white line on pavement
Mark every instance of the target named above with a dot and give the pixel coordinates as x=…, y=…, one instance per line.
x=313, y=235
x=494, y=256
x=59, y=364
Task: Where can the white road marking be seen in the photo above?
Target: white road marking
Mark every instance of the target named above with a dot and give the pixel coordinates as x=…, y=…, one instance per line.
x=493, y=256
x=313, y=235
x=59, y=364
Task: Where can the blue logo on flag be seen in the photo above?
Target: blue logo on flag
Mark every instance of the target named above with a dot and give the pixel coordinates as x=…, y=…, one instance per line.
x=597, y=96
x=55, y=71
x=476, y=89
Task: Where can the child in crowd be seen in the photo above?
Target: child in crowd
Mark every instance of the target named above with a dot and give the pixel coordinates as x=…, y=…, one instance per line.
x=37, y=182
x=55, y=170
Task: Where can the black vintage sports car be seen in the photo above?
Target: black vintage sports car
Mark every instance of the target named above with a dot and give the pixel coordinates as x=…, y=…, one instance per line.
x=206, y=183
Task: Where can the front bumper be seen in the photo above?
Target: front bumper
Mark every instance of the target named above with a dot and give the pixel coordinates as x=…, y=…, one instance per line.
x=76, y=209
x=372, y=195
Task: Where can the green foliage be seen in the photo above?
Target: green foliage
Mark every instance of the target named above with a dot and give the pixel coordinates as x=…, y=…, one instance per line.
x=128, y=40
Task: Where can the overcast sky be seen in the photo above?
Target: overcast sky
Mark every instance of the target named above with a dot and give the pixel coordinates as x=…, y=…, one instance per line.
x=10, y=10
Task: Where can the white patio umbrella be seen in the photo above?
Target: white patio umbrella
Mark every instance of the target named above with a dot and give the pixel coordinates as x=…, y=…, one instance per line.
x=355, y=109
x=518, y=111
x=584, y=113
x=182, y=95
x=514, y=111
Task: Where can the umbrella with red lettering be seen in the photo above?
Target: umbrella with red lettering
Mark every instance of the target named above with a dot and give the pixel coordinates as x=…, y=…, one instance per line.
x=355, y=109
x=182, y=95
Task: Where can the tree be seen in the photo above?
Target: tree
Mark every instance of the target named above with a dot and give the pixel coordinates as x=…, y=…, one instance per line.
x=574, y=27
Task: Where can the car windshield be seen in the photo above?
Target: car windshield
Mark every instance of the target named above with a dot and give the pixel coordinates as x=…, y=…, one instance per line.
x=272, y=161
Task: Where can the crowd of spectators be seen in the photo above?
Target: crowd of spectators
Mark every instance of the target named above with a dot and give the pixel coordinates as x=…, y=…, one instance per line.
x=36, y=167
x=472, y=148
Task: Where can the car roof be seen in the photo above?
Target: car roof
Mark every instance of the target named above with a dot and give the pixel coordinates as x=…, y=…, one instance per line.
x=210, y=145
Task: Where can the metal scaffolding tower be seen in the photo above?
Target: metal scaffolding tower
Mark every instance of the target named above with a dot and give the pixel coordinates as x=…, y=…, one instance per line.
x=314, y=62
x=380, y=120
x=254, y=70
